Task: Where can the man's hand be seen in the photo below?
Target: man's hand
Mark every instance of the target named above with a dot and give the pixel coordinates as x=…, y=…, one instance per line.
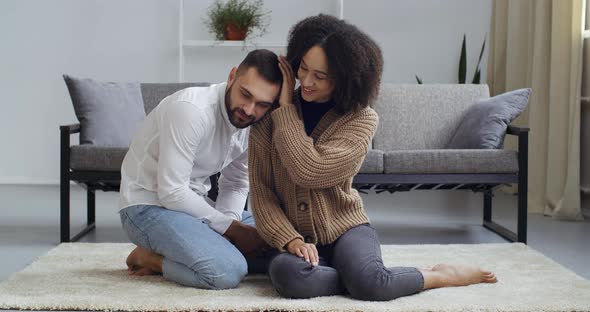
x=245, y=238
x=304, y=250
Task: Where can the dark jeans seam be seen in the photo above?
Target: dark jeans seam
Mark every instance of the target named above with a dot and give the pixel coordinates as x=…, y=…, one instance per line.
x=375, y=246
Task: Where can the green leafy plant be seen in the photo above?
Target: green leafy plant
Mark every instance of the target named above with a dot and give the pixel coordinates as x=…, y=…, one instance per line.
x=463, y=64
x=243, y=15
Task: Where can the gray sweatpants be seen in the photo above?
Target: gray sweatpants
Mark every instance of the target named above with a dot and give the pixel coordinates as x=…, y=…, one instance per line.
x=352, y=264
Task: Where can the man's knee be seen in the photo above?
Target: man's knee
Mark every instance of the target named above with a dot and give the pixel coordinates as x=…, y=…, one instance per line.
x=221, y=273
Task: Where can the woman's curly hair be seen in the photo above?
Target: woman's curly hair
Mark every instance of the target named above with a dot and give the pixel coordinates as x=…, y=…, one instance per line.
x=355, y=63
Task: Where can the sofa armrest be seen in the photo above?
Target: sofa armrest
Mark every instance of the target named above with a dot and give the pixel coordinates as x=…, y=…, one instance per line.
x=70, y=129
x=65, y=131
x=514, y=130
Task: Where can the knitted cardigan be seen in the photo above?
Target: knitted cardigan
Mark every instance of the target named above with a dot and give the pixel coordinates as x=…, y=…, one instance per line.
x=301, y=186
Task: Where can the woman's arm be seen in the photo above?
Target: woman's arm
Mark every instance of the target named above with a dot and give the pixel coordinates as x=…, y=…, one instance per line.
x=271, y=221
x=323, y=165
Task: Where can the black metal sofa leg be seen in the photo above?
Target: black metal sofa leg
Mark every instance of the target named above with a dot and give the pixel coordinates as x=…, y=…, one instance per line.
x=65, y=213
x=522, y=212
x=91, y=207
x=487, y=206
x=520, y=235
x=64, y=190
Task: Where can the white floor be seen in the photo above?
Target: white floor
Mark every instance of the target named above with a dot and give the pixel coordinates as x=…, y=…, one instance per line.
x=29, y=223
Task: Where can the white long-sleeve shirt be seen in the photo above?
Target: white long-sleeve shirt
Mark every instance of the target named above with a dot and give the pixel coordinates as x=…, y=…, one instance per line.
x=183, y=141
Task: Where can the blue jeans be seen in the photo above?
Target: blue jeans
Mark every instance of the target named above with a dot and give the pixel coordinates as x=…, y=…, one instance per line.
x=194, y=254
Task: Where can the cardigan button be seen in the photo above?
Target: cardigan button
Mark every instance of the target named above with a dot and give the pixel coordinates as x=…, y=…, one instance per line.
x=302, y=206
x=308, y=239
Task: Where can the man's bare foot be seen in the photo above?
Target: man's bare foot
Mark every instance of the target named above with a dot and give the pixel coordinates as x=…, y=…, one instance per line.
x=446, y=275
x=144, y=262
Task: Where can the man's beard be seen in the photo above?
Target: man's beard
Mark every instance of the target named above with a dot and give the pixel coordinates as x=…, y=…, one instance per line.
x=231, y=113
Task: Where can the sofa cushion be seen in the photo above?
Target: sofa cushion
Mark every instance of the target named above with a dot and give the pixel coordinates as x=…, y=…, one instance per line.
x=416, y=117
x=109, y=112
x=153, y=93
x=89, y=157
x=373, y=162
x=97, y=158
x=451, y=161
x=484, y=124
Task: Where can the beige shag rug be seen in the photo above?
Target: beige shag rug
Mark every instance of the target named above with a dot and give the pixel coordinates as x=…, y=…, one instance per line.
x=83, y=276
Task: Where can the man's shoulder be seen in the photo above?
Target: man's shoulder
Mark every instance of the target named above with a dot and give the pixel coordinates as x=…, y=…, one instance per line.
x=194, y=103
x=202, y=97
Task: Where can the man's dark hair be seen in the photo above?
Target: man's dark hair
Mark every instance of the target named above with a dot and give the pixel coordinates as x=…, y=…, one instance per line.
x=355, y=62
x=266, y=63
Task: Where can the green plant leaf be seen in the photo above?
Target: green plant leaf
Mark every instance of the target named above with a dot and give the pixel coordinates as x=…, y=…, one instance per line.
x=476, y=77
x=463, y=62
x=477, y=69
x=242, y=14
x=418, y=79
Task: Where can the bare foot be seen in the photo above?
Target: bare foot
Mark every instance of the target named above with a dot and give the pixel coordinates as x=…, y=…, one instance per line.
x=446, y=275
x=143, y=262
x=141, y=272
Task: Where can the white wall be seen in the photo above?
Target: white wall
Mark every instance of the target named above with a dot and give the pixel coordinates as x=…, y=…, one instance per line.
x=424, y=37
x=137, y=40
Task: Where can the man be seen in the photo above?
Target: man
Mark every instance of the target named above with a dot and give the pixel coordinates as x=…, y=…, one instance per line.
x=190, y=135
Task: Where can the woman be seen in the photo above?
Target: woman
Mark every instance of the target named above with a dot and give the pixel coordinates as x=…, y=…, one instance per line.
x=302, y=159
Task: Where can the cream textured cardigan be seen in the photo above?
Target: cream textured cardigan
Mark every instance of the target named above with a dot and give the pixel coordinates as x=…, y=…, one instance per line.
x=301, y=186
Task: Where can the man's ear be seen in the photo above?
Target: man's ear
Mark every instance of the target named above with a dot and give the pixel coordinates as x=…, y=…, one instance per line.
x=232, y=75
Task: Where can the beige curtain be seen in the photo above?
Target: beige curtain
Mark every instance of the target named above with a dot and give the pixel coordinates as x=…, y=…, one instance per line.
x=585, y=135
x=538, y=44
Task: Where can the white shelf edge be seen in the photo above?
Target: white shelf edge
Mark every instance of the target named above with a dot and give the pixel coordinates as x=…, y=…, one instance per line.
x=586, y=33
x=180, y=40
x=213, y=43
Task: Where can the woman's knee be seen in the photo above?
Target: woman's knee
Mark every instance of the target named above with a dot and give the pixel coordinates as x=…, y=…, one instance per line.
x=292, y=277
x=282, y=271
x=285, y=272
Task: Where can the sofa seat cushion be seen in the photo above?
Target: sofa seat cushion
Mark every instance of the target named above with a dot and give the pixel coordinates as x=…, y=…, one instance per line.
x=451, y=161
x=96, y=158
x=373, y=162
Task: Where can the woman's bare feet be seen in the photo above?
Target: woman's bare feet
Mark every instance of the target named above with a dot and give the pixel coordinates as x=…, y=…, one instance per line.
x=144, y=262
x=446, y=275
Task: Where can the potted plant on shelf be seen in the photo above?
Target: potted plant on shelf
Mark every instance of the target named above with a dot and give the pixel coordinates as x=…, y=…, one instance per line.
x=237, y=19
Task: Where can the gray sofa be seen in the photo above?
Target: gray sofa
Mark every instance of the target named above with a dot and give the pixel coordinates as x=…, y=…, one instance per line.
x=408, y=153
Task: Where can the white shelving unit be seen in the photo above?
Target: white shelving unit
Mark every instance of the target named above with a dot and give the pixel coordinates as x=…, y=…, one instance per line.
x=185, y=44
x=213, y=43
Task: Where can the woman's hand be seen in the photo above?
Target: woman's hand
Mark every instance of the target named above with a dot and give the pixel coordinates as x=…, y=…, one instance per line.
x=304, y=250
x=288, y=86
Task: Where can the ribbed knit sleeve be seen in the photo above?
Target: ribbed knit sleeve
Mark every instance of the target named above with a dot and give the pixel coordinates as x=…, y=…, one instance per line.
x=327, y=163
x=271, y=221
